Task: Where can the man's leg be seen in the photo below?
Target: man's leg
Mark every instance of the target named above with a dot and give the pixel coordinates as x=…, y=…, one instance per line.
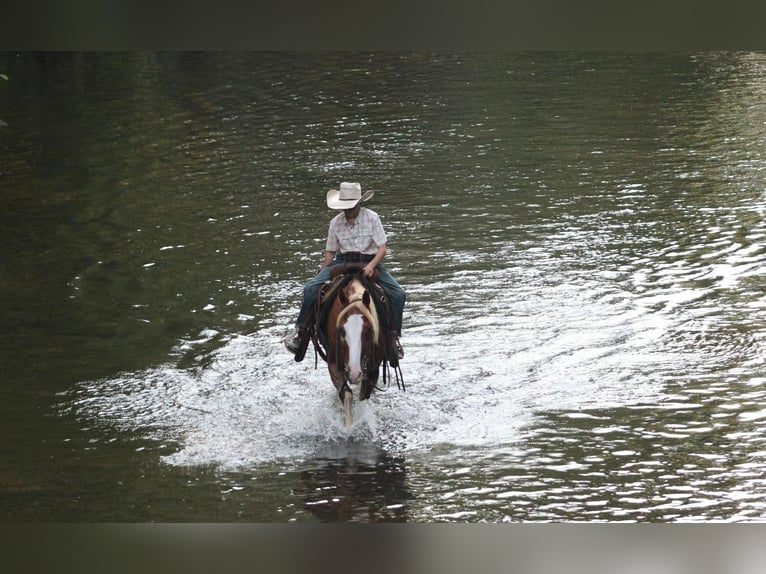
x=396, y=297
x=297, y=341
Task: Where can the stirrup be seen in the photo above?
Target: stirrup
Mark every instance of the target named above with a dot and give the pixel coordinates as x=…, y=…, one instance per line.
x=305, y=337
x=396, y=352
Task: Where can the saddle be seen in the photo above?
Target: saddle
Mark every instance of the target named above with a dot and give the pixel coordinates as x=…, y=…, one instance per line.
x=351, y=267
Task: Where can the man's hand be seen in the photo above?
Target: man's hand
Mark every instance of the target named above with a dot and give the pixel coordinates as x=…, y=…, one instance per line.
x=368, y=270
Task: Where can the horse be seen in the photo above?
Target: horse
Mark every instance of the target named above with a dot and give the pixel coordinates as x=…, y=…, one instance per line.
x=355, y=342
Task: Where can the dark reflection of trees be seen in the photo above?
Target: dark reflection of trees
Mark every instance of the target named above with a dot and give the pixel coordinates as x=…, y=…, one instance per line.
x=352, y=490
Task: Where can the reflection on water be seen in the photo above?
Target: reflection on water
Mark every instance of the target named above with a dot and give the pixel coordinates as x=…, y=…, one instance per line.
x=581, y=237
x=355, y=488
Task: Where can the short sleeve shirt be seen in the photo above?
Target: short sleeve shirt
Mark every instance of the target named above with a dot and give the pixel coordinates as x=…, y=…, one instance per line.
x=365, y=236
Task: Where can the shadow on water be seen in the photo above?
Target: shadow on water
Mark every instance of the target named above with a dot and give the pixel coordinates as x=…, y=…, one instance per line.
x=355, y=482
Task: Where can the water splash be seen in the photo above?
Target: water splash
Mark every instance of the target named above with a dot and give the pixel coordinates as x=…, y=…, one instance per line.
x=247, y=402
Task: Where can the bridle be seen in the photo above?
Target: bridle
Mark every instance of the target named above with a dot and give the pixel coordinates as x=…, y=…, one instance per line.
x=367, y=351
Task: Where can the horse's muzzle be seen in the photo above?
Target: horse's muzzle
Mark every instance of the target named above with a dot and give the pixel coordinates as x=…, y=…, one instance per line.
x=354, y=376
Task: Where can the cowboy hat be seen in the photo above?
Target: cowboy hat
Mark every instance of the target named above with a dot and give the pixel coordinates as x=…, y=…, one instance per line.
x=347, y=196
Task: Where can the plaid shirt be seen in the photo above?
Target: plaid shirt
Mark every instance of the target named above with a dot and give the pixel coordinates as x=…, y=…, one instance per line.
x=365, y=236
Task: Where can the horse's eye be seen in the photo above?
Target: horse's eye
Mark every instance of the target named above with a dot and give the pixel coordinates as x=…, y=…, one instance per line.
x=342, y=332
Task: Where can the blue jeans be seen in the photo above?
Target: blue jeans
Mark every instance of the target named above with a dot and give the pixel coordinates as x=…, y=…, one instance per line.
x=391, y=287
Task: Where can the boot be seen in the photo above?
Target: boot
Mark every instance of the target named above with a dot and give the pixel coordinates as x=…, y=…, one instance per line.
x=297, y=342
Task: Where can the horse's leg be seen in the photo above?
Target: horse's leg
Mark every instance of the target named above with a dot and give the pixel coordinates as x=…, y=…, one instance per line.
x=348, y=400
x=368, y=384
x=344, y=393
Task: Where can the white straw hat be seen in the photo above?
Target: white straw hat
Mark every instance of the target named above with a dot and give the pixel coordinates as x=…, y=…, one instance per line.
x=347, y=196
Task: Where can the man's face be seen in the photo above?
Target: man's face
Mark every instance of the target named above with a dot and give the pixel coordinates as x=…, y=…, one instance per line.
x=351, y=213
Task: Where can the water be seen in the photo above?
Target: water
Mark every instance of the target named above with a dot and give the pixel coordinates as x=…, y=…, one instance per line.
x=581, y=238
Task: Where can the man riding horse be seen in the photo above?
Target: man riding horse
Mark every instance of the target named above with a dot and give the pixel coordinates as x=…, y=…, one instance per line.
x=355, y=235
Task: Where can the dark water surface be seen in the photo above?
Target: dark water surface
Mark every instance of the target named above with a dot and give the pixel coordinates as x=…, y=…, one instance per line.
x=581, y=237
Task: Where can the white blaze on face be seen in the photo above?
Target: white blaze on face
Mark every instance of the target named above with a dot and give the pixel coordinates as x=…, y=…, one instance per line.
x=353, y=328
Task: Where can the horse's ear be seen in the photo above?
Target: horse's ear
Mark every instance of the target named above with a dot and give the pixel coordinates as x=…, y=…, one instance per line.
x=366, y=298
x=342, y=296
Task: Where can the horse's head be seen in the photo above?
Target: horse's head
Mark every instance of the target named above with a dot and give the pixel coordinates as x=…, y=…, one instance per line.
x=358, y=332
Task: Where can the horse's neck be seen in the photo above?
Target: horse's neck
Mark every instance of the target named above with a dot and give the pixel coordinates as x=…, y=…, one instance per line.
x=355, y=290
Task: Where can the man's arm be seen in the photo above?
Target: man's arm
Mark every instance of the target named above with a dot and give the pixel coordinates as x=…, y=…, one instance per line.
x=379, y=255
x=328, y=257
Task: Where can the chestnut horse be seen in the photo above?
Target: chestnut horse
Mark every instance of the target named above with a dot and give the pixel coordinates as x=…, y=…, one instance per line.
x=355, y=343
